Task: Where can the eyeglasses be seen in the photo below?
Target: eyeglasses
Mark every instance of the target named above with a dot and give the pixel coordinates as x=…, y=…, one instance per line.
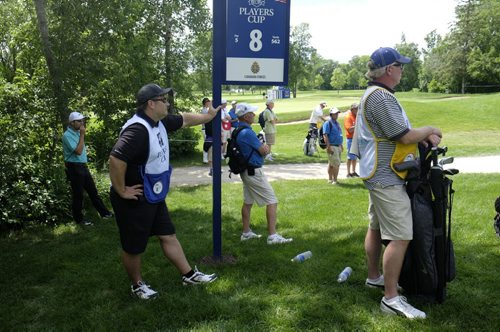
x=163, y=100
x=397, y=64
x=78, y=120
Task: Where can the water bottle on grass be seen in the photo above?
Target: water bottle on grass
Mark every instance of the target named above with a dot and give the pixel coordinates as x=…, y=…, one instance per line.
x=345, y=274
x=302, y=257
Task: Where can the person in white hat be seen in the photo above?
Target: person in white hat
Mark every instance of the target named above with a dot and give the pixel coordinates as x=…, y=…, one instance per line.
x=75, y=161
x=226, y=126
x=317, y=116
x=256, y=187
x=333, y=139
x=270, y=120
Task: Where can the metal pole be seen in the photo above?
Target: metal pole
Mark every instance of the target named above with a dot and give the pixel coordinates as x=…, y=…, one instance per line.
x=218, y=45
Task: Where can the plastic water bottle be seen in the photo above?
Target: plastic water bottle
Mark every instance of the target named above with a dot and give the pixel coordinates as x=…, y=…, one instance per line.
x=302, y=257
x=345, y=274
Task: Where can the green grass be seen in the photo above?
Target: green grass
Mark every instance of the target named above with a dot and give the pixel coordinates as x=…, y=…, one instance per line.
x=470, y=123
x=68, y=278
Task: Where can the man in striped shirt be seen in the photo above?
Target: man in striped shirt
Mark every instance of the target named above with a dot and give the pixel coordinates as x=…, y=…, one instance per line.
x=382, y=129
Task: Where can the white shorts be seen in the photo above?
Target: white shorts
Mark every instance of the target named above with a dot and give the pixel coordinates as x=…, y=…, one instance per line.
x=257, y=189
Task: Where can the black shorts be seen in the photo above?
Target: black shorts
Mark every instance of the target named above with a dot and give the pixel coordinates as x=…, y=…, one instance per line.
x=138, y=220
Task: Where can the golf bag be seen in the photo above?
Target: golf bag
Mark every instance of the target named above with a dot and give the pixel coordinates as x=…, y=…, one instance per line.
x=310, y=146
x=430, y=259
x=496, y=219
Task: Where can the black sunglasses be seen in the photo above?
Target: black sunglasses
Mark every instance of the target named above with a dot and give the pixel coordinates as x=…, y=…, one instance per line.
x=162, y=99
x=397, y=64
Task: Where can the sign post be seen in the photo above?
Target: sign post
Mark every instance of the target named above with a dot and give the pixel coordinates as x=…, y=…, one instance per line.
x=250, y=47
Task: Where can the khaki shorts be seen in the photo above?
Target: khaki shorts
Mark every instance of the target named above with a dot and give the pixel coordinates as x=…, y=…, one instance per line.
x=257, y=189
x=270, y=139
x=334, y=158
x=389, y=211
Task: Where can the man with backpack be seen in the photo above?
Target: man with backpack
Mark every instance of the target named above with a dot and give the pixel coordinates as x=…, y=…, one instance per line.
x=270, y=119
x=332, y=135
x=256, y=187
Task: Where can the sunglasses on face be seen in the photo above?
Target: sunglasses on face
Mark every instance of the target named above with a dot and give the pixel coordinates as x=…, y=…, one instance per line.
x=162, y=99
x=397, y=64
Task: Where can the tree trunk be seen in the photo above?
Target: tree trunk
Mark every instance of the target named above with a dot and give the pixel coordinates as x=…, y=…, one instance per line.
x=54, y=72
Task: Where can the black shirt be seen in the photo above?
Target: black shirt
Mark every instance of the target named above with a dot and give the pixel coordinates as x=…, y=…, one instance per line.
x=132, y=146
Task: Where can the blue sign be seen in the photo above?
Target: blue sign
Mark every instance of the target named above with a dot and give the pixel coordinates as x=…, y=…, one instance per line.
x=257, y=41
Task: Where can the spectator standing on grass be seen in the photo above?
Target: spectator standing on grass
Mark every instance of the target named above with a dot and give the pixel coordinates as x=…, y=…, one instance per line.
x=349, y=125
x=139, y=168
x=232, y=114
x=77, y=172
x=256, y=187
x=317, y=116
x=226, y=126
x=207, y=139
x=383, y=136
x=333, y=139
x=270, y=130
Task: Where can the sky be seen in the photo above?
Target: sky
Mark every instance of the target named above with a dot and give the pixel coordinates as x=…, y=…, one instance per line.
x=341, y=29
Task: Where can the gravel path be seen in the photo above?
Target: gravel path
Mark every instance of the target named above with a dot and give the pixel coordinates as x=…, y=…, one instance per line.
x=197, y=175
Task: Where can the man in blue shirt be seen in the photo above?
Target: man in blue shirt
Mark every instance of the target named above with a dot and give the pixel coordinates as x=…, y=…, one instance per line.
x=75, y=159
x=333, y=139
x=256, y=187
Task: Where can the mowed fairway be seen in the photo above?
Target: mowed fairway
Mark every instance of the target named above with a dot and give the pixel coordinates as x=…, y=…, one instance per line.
x=470, y=123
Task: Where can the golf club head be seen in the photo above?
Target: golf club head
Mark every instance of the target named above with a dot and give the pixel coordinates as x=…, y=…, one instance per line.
x=446, y=161
x=450, y=171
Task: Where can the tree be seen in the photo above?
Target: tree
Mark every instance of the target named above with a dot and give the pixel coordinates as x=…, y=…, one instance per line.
x=410, y=78
x=299, y=55
x=338, y=79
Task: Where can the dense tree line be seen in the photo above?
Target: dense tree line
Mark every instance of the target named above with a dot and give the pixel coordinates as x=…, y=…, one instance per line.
x=93, y=55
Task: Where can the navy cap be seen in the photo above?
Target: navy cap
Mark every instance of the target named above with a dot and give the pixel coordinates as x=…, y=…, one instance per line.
x=385, y=56
x=150, y=91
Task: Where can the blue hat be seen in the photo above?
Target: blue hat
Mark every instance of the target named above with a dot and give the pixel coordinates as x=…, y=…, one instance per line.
x=385, y=56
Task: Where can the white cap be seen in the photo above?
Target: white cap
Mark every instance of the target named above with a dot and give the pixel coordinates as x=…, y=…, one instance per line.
x=334, y=110
x=223, y=101
x=76, y=116
x=322, y=102
x=243, y=109
x=234, y=102
x=269, y=101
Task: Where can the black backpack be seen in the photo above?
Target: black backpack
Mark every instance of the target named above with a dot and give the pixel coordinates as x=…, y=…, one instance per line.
x=322, y=143
x=262, y=122
x=237, y=162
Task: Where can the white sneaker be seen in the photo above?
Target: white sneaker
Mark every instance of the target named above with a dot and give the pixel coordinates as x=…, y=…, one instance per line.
x=198, y=278
x=277, y=239
x=379, y=283
x=143, y=291
x=269, y=157
x=399, y=306
x=249, y=235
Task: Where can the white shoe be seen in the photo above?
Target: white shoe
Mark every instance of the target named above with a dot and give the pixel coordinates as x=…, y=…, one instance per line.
x=399, y=306
x=198, y=278
x=269, y=157
x=379, y=283
x=249, y=235
x=143, y=291
x=277, y=239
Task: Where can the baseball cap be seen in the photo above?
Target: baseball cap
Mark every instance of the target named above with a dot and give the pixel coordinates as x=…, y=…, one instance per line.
x=334, y=110
x=74, y=116
x=243, y=109
x=234, y=102
x=149, y=91
x=322, y=102
x=385, y=56
x=223, y=101
x=269, y=101
x=354, y=105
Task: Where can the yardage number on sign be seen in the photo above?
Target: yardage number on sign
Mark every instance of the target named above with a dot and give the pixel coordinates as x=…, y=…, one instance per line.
x=257, y=40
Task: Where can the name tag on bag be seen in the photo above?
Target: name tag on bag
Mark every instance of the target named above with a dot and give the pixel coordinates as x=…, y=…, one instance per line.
x=156, y=186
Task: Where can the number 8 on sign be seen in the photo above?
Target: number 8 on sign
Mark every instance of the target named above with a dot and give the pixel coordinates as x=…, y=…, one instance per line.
x=255, y=40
